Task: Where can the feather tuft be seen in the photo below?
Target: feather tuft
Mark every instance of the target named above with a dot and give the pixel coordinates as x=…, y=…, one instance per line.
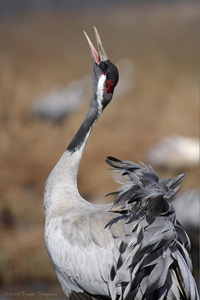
x=142, y=192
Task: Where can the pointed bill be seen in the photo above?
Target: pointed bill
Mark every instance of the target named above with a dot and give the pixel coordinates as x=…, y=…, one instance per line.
x=95, y=55
x=102, y=52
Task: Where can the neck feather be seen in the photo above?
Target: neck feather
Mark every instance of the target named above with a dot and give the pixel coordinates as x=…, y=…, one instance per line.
x=94, y=112
x=82, y=134
x=61, y=184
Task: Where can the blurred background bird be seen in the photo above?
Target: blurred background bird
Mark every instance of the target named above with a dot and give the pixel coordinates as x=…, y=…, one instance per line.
x=41, y=49
x=175, y=153
x=61, y=102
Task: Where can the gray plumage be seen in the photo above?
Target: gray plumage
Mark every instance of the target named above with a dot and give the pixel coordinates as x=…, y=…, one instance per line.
x=156, y=248
x=131, y=249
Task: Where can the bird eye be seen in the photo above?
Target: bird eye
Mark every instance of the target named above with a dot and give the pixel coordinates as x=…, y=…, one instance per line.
x=104, y=72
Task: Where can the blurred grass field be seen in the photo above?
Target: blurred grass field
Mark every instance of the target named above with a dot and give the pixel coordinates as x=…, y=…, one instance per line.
x=39, y=50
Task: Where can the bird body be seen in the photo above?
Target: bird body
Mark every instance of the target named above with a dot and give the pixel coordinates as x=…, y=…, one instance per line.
x=132, y=249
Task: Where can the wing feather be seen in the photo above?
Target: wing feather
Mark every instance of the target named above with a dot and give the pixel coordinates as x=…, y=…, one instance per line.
x=89, y=254
x=156, y=247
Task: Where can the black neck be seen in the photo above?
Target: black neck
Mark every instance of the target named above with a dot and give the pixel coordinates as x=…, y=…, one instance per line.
x=82, y=134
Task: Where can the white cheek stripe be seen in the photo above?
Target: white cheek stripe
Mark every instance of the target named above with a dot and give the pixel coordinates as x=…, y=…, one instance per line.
x=100, y=90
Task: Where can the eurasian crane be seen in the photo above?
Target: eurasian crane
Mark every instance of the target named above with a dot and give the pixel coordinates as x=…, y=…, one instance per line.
x=132, y=249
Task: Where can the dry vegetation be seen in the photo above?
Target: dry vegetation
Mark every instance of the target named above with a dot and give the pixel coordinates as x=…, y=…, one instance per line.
x=39, y=51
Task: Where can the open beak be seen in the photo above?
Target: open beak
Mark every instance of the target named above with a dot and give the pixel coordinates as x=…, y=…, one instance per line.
x=101, y=56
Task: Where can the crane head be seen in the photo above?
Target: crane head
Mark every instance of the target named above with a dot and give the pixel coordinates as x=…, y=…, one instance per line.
x=104, y=73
